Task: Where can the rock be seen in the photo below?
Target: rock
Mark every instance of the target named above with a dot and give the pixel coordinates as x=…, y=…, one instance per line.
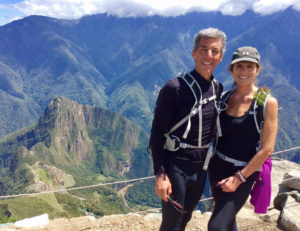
x=294, y=182
x=33, y=222
x=136, y=222
x=153, y=216
x=280, y=201
x=58, y=221
x=290, y=217
x=82, y=219
x=288, y=202
x=197, y=214
x=271, y=216
x=207, y=215
x=279, y=168
x=5, y=225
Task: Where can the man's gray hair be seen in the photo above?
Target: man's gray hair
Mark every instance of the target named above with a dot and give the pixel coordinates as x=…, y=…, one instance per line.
x=210, y=33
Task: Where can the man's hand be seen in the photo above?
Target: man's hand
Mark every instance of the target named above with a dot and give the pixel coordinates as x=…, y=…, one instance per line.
x=163, y=187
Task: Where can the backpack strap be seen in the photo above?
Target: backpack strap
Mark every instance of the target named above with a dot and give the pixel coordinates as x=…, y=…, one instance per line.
x=222, y=106
x=225, y=96
x=257, y=110
x=197, y=108
x=216, y=85
x=195, y=88
x=259, y=114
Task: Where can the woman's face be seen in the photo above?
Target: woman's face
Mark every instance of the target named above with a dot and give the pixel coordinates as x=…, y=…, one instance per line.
x=244, y=73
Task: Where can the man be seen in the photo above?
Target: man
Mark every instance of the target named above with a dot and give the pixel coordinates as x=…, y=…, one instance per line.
x=179, y=152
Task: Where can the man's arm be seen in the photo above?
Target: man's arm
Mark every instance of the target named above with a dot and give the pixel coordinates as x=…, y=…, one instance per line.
x=164, y=111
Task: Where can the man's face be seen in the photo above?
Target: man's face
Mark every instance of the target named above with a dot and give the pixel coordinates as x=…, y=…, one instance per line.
x=207, y=56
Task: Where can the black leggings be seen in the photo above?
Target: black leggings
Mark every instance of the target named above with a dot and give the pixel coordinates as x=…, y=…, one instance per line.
x=227, y=205
x=188, y=182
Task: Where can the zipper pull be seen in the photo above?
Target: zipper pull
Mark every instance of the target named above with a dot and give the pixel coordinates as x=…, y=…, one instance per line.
x=261, y=181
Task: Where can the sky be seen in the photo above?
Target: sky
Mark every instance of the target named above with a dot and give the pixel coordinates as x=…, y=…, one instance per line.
x=11, y=10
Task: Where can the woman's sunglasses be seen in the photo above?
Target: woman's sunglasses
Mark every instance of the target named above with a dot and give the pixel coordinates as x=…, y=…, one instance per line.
x=216, y=185
x=175, y=204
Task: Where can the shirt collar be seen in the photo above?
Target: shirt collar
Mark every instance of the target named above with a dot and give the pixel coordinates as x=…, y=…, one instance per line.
x=200, y=79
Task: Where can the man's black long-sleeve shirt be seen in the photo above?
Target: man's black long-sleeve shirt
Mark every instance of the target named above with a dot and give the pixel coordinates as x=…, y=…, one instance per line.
x=175, y=102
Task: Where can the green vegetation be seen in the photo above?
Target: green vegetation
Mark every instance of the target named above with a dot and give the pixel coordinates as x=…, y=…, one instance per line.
x=72, y=147
x=24, y=207
x=142, y=196
x=6, y=219
x=52, y=200
x=101, y=200
x=71, y=205
x=288, y=99
x=5, y=214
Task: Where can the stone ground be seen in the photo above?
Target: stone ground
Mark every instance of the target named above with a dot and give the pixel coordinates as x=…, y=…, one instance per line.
x=150, y=222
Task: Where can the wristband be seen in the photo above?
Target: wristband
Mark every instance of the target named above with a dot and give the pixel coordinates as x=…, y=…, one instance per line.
x=240, y=176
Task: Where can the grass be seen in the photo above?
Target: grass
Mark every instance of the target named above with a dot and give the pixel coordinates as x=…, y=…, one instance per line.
x=43, y=177
x=7, y=219
x=51, y=200
x=26, y=207
x=104, y=179
x=96, y=195
x=68, y=181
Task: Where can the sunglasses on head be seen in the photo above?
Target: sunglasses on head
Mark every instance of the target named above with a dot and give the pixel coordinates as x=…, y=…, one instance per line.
x=175, y=204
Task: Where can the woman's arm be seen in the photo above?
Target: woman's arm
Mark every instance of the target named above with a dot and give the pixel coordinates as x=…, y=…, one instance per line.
x=268, y=138
x=267, y=146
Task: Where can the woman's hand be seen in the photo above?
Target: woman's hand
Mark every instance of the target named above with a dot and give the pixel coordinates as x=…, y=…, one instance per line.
x=230, y=184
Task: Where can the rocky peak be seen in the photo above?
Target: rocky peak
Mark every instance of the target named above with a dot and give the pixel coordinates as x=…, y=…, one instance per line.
x=71, y=138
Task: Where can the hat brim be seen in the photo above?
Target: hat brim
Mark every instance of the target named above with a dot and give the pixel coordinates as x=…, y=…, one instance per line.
x=244, y=59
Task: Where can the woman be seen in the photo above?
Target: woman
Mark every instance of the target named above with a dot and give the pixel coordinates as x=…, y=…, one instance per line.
x=231, y=183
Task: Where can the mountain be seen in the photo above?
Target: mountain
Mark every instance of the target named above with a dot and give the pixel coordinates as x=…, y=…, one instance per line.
x=99, y=59
x=73, y=145
x=115, y=63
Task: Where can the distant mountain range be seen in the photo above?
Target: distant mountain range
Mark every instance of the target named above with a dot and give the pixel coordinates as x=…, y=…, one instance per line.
x=115, y=63
x=65, y=86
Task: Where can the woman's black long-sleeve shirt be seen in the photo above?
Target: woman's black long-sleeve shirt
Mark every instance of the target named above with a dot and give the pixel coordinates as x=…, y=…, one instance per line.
x=173, y=104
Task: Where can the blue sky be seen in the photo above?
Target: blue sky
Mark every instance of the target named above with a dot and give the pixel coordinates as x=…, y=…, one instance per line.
x=72, y=9
x=6, y=15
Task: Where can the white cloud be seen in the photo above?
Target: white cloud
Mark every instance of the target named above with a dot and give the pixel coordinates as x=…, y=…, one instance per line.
x=57, y=8
x=264, y=7
x=128, y=8
x=236, y=7
x=72, y=9
x=297, y=6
